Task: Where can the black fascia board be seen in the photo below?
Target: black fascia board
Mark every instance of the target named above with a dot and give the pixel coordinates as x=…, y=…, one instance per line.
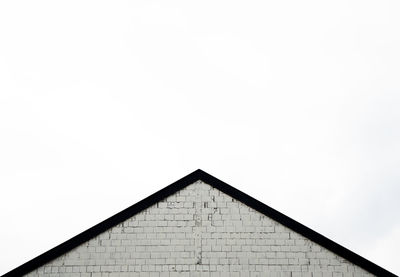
x=179, y=185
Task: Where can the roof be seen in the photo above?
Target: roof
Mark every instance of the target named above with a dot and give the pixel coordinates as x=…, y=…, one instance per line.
x=178, y=185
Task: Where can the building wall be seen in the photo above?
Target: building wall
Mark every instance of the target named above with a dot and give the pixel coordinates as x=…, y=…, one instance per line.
x=199, y=231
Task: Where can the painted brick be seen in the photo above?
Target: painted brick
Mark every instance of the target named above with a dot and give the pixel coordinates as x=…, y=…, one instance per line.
x=199, y=231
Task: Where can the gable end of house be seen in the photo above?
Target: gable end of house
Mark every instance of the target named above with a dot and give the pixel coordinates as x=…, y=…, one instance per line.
x=178, y=186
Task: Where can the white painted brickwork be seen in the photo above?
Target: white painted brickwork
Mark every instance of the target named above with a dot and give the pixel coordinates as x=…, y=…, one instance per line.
x=199, y=231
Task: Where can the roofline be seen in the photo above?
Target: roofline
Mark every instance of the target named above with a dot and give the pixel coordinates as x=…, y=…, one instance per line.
x=178, y=185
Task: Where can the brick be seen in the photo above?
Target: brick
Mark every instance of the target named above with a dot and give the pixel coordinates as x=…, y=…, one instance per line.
x=199, y=231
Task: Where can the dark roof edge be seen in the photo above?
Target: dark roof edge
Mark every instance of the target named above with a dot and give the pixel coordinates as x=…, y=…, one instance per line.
x=178, y=185
x=297, y=227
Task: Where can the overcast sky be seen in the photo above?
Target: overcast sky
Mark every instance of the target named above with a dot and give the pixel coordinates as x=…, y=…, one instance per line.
x=296, y=103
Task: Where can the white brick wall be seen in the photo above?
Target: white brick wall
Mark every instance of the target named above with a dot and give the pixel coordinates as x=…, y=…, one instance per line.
x=200, y=231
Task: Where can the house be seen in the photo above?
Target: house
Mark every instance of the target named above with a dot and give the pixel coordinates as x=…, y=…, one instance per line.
x=199, y=226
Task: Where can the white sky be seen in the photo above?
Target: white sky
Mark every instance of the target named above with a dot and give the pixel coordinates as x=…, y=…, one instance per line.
x=296, y=103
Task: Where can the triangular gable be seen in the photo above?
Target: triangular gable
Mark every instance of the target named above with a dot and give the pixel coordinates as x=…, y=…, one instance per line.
x=179, y=185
